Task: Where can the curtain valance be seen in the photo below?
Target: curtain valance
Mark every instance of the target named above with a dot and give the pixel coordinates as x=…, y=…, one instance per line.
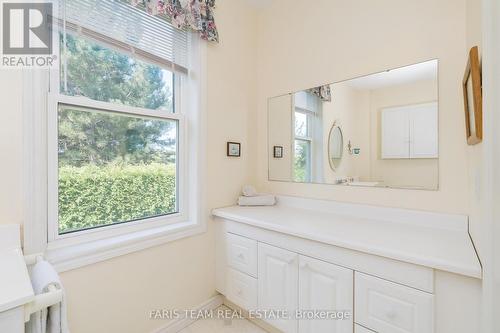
x=196, y=15
x=323, y=92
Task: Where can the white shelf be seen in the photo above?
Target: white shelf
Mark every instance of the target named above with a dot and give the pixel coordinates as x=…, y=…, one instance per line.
x=15, y=284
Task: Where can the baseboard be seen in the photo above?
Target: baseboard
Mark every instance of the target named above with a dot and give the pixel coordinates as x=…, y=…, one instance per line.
x=178, y=324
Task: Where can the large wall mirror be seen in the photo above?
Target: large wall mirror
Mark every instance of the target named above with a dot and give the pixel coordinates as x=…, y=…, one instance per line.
x=376, y=130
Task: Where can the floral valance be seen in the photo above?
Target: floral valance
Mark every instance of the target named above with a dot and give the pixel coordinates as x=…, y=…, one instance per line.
x=196, y=15
x=323, y=92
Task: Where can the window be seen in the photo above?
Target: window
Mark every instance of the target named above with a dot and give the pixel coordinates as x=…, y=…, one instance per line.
x=117, y=152
x=307, y=137
x=98, y=72
x=302, y=147
x=116, y=123
x=114, y=168
x=111, y=167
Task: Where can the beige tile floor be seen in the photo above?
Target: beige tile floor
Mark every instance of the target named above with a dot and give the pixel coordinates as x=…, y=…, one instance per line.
x=218, y=325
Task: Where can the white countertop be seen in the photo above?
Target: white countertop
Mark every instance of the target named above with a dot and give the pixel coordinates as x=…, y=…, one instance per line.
x=439, y=241
x=15, y=284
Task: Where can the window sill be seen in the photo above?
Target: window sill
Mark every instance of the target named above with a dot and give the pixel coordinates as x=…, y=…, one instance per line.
x=68, y=257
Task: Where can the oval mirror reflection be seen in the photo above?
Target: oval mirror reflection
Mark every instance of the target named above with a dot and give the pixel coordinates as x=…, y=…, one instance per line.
x=335, y=146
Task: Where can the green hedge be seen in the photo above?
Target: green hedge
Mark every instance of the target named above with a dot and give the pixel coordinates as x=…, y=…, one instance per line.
x=92, y=196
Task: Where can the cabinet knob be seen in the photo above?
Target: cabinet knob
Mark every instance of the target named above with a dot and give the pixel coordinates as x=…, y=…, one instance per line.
x=241, y=256
x=391, y=315
x=239, y=292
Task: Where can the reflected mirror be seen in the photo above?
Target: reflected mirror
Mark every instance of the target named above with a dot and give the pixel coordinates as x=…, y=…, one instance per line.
x=376, y=130
x=335, y=146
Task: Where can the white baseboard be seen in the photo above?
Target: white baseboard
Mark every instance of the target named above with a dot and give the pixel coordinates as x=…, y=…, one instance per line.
x=178, y=324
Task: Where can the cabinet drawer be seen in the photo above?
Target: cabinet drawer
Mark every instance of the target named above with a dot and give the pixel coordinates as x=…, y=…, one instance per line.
x=388, y=307
x=361, y=329
x=242, y=254
x=241, y=289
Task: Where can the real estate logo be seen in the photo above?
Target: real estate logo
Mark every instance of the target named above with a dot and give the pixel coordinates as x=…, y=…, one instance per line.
x=27, y=35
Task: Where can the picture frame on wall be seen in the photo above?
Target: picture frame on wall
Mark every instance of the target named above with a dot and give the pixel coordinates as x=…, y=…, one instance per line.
x=278, y=151
x=473, y=98
x=233, y=149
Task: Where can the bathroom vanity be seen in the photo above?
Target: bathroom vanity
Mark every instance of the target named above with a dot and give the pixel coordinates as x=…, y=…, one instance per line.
x=377, y=264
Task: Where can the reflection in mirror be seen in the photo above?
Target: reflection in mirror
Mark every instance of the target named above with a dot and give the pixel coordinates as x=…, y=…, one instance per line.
x=376, y=130
x=336, y=146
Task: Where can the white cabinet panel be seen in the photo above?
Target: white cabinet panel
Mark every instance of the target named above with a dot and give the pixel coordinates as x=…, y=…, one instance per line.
x=325, y=287
x=278, y=284
x=241, y=289
x=424, y=131
x=410, y=131
x=12, y=321
x=242, y=254
x=395, y=133
x=387, y=307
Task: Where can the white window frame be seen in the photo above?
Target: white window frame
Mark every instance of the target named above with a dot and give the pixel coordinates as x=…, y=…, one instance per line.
x=85, y=247
x=307, y=139
x=313, y=138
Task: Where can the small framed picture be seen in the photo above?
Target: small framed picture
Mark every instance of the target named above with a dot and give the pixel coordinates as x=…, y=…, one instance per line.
x=473, y=96
x=233, y=149
x=278, y=152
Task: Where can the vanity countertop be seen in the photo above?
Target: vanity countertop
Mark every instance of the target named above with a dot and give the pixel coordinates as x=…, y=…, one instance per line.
x=439, y=241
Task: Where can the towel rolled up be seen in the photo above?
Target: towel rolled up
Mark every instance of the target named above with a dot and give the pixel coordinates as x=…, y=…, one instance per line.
x=53, y=319
x=258, y=200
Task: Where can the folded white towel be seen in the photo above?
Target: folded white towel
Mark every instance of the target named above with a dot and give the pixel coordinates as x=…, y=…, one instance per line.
x=258, y=200
x=249, y=191
x=53, y=319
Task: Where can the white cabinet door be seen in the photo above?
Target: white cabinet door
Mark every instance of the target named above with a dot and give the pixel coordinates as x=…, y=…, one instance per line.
x=424, y=131
x=324, y=287
x=278, y=285
x=395, y=133
x=410, y=131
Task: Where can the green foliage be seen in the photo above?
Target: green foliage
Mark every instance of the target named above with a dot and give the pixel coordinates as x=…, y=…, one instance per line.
x=105, y=75
x=91, y=196
x=101, y=138
x=113, y=167
x=300, y=162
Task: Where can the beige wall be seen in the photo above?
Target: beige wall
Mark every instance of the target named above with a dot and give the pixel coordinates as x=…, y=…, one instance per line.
x=303, y=45
x=401, y=172
x=280, y=134
x=350, y=108
x=116, y=295
x=332, y=40
x=11, y=138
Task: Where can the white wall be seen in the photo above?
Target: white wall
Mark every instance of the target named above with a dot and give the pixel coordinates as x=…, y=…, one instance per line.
x=307, y=45
x=483, y=159
x=116, y=295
